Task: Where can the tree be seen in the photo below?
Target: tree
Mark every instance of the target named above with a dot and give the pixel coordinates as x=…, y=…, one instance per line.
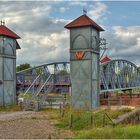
x=23, y=67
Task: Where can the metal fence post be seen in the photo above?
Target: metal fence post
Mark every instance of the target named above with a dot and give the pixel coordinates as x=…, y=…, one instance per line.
x=91, y=119
x=71, y=120
x=108, y=103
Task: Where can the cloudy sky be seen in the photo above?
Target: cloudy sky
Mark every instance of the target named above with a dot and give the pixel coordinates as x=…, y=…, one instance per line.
x=41, y=24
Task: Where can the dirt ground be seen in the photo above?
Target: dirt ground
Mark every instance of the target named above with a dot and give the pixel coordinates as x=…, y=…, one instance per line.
x=29, y=125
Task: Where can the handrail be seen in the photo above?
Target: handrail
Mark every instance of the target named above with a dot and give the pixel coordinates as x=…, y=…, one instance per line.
x=49, y=88
x=44, y=84
x=32, y=84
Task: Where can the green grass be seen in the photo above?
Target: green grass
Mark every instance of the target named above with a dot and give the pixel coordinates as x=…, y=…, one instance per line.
x=8, y=108
x=53, y=114
x=82, y=129
x=113, y=114
x=81, y=120
x=119, y=132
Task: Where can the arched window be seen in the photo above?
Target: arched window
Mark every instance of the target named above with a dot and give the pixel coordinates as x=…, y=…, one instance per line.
x=79, y=42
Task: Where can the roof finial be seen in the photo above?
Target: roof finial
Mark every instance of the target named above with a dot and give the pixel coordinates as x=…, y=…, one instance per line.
x=2, y=22
x=84, y=11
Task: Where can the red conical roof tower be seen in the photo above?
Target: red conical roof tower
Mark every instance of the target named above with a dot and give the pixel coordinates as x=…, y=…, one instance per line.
x=9, y=33
x=82, y=21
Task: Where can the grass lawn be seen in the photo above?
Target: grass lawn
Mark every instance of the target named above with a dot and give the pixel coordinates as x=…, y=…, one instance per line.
x=81, y=120
x=118, y=132
x=82, y=129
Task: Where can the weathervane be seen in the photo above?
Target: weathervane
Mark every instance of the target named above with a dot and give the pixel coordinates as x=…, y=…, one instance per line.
x=84, y=11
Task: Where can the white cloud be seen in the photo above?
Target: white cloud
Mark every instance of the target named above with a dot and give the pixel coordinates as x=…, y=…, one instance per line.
x=19, y=12
x=63, y=9
x=45, y=40
x=39, y=49
x=124, y=43
x=127, y=32
x=80, y=3
x=98, y=10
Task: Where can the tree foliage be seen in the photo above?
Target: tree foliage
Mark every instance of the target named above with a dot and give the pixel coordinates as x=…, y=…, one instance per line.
x=23, y=67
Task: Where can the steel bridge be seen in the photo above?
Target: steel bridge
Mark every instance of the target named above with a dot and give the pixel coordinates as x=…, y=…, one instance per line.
x=55, y=77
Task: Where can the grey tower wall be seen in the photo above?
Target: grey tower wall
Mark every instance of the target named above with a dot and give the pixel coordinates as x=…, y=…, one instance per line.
x=85, y=71
x=7, y=70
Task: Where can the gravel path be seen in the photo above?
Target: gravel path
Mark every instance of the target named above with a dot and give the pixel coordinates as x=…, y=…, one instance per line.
x=28, y=129
x=30, y=125
x=4, y=116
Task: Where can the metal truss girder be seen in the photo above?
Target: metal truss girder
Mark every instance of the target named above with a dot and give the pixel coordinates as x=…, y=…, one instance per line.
x=114, y=75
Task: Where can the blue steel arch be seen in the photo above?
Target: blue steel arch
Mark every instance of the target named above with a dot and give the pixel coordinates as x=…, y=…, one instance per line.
x=114, y=75
x=118, y=75
x=119, y=60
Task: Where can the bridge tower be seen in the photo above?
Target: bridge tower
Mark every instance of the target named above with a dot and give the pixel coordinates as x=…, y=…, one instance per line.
x=84, y=62
x=8, y=46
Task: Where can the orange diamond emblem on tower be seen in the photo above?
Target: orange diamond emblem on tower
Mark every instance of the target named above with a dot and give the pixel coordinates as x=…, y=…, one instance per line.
x=80, y=54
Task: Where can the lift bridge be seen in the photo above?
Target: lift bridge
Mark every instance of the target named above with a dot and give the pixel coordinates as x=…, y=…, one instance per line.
x=55, y=77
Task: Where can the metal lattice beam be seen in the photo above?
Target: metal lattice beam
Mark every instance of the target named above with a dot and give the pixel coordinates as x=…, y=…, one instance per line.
x=114, y=75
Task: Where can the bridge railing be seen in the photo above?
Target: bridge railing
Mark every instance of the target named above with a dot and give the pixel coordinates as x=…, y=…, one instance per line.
x=32, y=86
x=45, y=84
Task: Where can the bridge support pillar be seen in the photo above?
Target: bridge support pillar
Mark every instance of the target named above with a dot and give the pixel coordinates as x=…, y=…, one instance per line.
x=84, y=62
x=8, y=46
